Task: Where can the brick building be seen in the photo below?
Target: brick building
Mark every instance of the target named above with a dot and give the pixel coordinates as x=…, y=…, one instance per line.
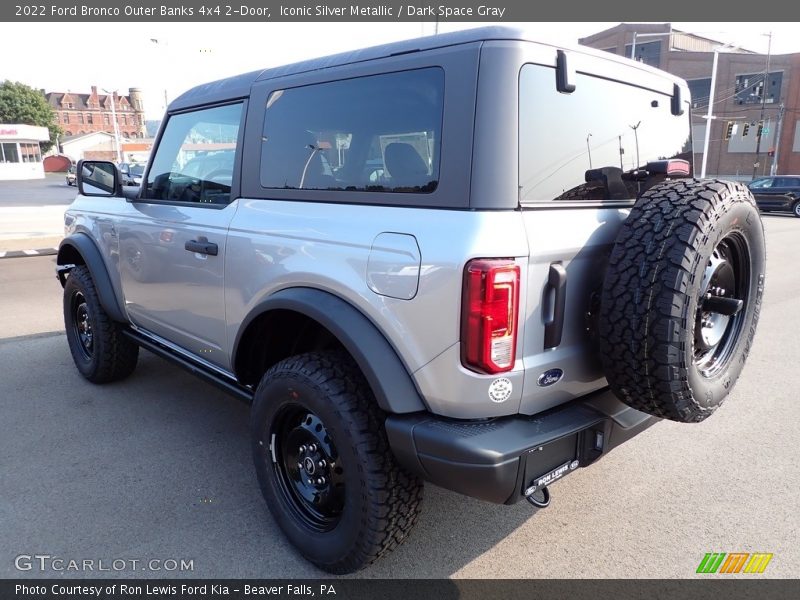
x=739, y=92
x=79, y=114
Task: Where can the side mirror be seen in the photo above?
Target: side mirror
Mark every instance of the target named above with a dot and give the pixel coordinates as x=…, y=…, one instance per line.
x=98, y=178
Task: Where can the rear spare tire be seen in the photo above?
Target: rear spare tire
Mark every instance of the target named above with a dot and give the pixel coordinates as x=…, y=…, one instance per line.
x=682, y=296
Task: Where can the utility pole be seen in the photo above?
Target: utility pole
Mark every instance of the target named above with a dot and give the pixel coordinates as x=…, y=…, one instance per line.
x=763, y=102
x=773, y=170
x=116, y=127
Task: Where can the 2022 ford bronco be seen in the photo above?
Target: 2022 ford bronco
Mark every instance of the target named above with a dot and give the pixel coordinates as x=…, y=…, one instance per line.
x=472, y=259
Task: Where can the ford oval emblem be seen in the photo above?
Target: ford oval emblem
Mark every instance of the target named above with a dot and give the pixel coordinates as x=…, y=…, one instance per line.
x=550, y=377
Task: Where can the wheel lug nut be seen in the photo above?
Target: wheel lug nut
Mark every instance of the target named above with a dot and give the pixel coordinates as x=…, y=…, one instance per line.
x=299, y=465
x=302, y=448
x=321, y=463
x=320, y=481
x=312, y=448
x=310, y=482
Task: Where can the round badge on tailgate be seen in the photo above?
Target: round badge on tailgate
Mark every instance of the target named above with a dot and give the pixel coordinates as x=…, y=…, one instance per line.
x=550, y=377
x=500, y=389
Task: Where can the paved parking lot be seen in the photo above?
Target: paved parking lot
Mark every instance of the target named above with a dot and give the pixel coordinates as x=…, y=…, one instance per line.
x=158, y=467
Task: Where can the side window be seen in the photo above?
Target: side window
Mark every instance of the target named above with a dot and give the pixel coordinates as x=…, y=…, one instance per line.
x=380, y=133
x=787, y=182
x=194, y=159
x=761, y=184
x=586, y=145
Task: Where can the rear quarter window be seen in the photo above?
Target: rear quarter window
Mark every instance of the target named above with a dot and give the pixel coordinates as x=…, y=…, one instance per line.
x=578, y=146
x=379, y=133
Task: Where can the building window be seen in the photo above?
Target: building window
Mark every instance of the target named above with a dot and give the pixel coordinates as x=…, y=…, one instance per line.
x=66, y=118
x=700, y=90
x=750, y=88
x=30, y=152
x=9, y=153
x=90, y=119
x=80, y=119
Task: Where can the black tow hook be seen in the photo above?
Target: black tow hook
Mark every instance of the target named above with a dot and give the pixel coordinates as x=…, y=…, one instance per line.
x=538, y=496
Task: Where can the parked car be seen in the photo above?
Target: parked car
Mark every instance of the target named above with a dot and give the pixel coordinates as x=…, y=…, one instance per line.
x=486, y=292
x=71, y=175
x=131, y=173
x=777, y=193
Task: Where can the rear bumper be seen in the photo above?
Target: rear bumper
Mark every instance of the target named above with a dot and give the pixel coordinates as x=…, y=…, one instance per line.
x=496, y=460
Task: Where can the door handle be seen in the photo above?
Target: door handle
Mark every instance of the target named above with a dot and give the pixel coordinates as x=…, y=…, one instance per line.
x=201, y=246
x=557, y=285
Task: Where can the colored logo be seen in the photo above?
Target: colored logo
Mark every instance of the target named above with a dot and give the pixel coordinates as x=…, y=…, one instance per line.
x=734, y=562
x=550, y=377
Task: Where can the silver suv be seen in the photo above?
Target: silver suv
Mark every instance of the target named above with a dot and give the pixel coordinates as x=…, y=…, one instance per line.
x=471, y=259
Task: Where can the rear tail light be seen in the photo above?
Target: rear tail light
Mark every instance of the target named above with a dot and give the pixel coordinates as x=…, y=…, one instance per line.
x=490, y=307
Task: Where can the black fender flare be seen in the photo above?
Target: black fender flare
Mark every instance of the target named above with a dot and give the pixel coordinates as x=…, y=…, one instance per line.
x=386, y=374
x=85, y=246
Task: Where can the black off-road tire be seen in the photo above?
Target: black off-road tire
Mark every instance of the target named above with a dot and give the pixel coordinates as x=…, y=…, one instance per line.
x=380, y=501
x=659, y=268
x=110, y=356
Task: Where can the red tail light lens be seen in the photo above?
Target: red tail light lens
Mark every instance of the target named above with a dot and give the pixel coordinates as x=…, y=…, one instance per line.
x=490, y=307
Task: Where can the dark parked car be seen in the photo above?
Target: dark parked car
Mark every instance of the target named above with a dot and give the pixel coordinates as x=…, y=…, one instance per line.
x=777, y=193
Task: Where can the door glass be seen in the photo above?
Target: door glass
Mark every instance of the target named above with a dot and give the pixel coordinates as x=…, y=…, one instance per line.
x=194, y=160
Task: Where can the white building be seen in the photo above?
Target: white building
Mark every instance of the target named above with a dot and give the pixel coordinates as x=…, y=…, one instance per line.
x=20, y=154
x=98, y=145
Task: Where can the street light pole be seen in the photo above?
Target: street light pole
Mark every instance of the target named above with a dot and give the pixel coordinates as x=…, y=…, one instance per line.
x=637, y=35
x=763, y=102
x=589, y=149
x=709, y=114
x=116, y=127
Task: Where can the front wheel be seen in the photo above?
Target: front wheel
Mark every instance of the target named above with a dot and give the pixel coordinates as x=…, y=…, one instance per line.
x=324, y=464
x=100, y=350
x=796, y=208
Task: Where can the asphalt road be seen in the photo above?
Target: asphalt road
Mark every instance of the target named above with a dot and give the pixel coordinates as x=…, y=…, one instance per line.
x=158, y=467
x=52, y=190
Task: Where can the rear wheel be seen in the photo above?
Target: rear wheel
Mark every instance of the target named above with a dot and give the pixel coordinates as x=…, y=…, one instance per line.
x=100, y=350
x=796, y=209
x=681, y=298
x=324, y=463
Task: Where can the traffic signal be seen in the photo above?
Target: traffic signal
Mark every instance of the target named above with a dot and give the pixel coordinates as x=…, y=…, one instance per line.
x=729, y=130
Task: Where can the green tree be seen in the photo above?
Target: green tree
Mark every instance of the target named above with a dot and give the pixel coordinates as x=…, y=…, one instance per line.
x=20, y=103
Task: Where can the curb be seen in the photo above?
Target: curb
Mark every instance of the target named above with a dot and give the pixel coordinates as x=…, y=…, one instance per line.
x=19, y=253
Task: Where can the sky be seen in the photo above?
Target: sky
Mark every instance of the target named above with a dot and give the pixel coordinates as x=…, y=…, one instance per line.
x=173, y=57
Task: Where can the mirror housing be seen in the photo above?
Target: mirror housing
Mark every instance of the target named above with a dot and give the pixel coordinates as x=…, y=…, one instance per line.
x=98, y=178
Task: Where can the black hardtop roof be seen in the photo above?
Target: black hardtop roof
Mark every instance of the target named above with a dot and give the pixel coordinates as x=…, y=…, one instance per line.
x=238, y=86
